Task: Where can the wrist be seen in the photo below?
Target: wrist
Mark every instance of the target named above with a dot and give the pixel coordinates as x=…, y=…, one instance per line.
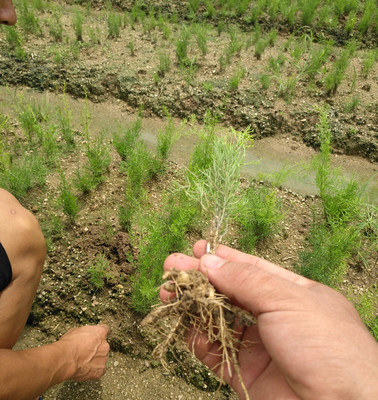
x=65, y=367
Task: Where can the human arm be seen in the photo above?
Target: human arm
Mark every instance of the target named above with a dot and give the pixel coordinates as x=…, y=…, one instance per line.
x=80, y=354
x=309, y=342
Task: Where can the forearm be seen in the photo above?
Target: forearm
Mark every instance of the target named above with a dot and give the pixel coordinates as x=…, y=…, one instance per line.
x=25, y=374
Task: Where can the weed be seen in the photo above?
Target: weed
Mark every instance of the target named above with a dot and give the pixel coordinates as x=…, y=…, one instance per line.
x=318, y=57
x=208, y=86
x=275, y=64
x=99, y=272
x=287, y=88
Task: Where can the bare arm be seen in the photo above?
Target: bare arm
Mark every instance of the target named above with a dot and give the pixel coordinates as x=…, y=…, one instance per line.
x=80, y=354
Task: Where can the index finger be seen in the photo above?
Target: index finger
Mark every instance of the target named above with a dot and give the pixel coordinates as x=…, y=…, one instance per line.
x=227, y=253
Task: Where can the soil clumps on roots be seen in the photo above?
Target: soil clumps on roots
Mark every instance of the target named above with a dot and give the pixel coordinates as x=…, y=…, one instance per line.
x=200, y=308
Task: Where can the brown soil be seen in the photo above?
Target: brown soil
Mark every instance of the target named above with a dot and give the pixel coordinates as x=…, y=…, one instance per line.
x=121, y=83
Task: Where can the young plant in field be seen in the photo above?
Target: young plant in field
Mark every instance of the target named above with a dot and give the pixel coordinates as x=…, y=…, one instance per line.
x=182, y=45
x=98, y=159
x=260, y=46
x=23, y=174
x=131, y=46
x=27, y=20
x=337, y=234
x=367, y=16
x=368, y=62
x=67, y=199
x=352, y=104
x=201, y=37
x=50, y=145
x=165, y=141
x=327, y=251
x=77, y=23
x=235, y=79
x=258, y=216
x=336, y=75
x=94, y=34
x=265, y=81
x=99, y=272
x=125, y=139
x=114, y=25
x=164, y=64
x=65, y=124
x=15, y=42
x=308, y=12
x=55, y=27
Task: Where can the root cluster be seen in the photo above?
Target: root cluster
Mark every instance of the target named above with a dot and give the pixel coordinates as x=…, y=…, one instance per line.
x=197, y=305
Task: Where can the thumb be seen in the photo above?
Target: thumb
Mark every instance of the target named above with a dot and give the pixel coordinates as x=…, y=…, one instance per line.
x=252, y=288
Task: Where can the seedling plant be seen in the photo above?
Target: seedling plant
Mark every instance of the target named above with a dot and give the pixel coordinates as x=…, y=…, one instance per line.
x=215, y=189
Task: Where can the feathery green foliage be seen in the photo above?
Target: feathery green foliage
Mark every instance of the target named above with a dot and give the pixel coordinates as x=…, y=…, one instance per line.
x=336, y=235
x=99, y=272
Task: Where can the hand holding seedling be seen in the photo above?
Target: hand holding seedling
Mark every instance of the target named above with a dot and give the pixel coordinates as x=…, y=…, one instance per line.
x=309, y=341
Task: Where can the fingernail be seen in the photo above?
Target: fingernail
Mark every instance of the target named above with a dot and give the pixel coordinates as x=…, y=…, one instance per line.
x=213, y=262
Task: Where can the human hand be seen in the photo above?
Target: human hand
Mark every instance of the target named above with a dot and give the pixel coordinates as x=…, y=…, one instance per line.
x=87, y=350
x=309, y=341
